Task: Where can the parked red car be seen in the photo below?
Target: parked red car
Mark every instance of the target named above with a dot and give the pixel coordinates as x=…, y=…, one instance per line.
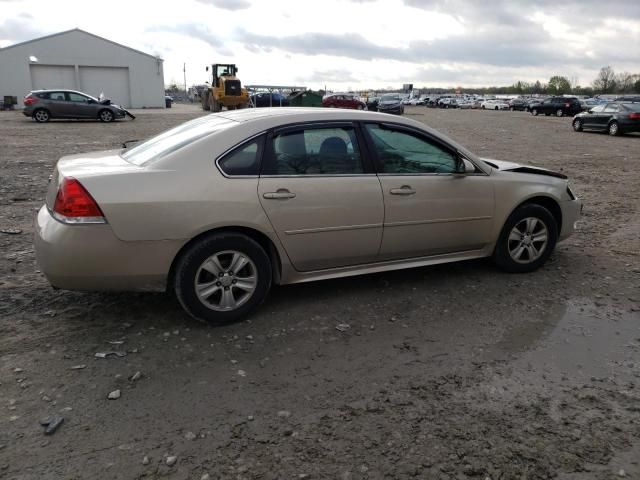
x=343, y=100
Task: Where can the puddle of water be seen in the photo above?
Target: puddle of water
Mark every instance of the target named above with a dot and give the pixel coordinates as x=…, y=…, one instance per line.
x=578, y=341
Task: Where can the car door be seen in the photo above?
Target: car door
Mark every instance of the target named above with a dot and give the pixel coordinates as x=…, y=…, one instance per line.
x=59, y=106
x=590, y=120
x=323, y=201
x=80, y=106
x=602, y=120
x=429, y=208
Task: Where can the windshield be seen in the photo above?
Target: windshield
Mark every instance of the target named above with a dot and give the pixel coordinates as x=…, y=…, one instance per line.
x=390, y=98
x=174, y=139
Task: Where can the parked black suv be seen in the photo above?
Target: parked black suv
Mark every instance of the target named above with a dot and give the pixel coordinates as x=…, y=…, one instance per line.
x=557, y=106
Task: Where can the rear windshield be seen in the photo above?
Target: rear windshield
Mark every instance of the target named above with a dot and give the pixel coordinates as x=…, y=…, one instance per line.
x=174, y=139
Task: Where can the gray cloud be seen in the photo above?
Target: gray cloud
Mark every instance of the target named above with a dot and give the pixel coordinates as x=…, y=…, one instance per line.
x=20, y=29
x=193, y=30
x=497, y=34
x=329, y=76
x=351, y=45
x=232, y=5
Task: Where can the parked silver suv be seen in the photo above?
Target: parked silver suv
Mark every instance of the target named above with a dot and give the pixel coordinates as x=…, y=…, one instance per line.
x=43, y=105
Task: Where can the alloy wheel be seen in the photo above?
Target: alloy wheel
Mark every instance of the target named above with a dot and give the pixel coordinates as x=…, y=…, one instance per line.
x=226, y=280
x=528, y=240
x=106, y=116
x=42, y=116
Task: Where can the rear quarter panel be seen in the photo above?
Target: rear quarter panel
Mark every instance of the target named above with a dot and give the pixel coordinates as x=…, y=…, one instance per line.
x=179, y=198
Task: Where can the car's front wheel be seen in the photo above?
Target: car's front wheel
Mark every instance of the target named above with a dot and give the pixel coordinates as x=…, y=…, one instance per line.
x=577, y=125
x=41, y=115
x=106, y=116
x=527, y=239
x=222, y=277
x=559, y=112
x=534, y=112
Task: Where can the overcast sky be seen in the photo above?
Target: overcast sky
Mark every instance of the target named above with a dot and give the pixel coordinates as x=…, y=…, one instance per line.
x=355, y=44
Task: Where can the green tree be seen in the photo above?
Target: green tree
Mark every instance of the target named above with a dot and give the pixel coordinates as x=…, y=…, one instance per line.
x=559, y=85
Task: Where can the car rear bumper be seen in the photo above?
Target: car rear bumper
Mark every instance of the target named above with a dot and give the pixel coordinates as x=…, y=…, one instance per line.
x=571, y=213
x=92, y=258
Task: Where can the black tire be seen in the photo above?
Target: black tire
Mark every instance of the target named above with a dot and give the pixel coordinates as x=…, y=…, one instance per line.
x=613, y=129
x=501, y=255
x=496, y=108
x=188, y=266
x=41, y=115
x=534, y=112
x=559, y=113
x=106, y=116
x=577, y=125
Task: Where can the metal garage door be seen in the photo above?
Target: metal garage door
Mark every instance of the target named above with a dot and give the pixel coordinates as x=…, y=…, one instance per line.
x=112, y=81
x=53, y=76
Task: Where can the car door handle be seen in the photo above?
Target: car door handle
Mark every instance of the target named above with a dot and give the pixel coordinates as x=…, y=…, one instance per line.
x=281, y=194
x=404, y=190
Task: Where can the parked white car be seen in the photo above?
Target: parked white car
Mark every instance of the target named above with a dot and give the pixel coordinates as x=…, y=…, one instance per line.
x=494, y=104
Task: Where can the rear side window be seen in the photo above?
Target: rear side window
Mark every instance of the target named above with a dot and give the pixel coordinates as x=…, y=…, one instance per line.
x=43, y=95
x=315, y=151
x=611, y=108
x=243, y=160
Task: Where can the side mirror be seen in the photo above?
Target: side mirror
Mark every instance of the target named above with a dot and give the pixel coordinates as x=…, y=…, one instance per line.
x=206, y=69
x=466, y=166
x=91, y=101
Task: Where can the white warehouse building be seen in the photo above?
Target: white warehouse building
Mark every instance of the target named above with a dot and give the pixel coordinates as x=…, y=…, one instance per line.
x=79, y=60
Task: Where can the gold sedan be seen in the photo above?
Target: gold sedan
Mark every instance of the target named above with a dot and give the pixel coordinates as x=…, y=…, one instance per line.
x=219, y=208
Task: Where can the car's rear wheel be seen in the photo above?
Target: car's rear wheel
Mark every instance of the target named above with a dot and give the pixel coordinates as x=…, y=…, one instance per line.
x=106, y=116
x=577, y=125
x=527, y=239
x=41, y=115
x=222, y=277
x=614, y=129
x=360, y=107
x=534, y=112
x=559, y=112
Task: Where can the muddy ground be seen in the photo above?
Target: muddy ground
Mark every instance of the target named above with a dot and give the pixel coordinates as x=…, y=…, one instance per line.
x=449, y=372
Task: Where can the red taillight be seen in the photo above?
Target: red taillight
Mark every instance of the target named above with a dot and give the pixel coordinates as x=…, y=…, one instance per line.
x=634, y=116
x=30, y=100
x=75, y=205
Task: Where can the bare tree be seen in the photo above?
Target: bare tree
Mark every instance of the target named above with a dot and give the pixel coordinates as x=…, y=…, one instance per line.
x=625, y=82
x=605, y=82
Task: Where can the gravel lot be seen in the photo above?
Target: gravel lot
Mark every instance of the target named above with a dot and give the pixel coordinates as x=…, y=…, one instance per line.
x=449, y=372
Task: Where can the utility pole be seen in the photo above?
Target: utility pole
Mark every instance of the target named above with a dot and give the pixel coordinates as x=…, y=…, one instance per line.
x=184, y=71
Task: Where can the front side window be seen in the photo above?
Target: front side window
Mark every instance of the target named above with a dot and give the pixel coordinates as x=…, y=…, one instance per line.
x=315, y=151
x=74, y=97
x=402, y=152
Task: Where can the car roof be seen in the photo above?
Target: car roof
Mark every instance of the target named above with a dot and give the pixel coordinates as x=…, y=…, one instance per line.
x=59, y=90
